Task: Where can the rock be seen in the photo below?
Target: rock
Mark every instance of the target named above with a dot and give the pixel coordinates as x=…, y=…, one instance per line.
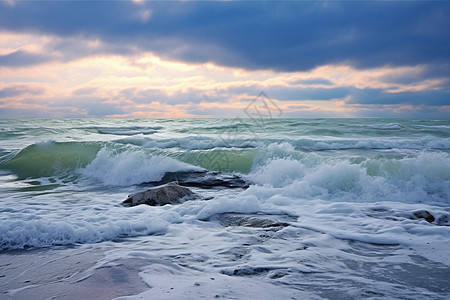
x=423, y=214
x=204, y=179
x=170, y=193
x=246, y=271
x=252, y=220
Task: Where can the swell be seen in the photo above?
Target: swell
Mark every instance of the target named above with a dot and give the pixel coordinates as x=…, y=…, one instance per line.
x=50, y=158
x=190, y=142
x=148, y=160
x=307, y=143
x=120, y=164
x=223, y=160
x=132, y=130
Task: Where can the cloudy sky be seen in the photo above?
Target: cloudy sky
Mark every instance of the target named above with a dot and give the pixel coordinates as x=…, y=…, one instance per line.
x=212, y=58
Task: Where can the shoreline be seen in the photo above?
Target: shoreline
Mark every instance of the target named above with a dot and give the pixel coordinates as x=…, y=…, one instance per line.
x=75, y=272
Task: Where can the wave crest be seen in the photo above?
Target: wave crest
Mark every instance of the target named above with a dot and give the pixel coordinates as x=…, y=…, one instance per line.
x=131, y=167
x=50, y=158
x=421, y=179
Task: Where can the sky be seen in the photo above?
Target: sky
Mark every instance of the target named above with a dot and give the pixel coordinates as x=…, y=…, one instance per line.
x=182, y=59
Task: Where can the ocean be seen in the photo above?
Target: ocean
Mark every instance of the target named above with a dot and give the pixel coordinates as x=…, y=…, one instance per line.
x=289, y=208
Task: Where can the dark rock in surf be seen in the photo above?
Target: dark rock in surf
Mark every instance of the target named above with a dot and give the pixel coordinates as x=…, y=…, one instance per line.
x=204, y=180
x=246, y=271
x=170, y=193
x=251, y=220
x=423, y=214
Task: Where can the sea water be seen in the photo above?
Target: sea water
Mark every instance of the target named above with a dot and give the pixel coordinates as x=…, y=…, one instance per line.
x=347, y=191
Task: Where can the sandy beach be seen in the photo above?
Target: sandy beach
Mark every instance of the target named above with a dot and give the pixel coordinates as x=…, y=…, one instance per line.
x=68, y=273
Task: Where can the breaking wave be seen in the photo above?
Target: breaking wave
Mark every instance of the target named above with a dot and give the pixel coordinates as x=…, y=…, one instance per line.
x=50, y=158
x=424, y=178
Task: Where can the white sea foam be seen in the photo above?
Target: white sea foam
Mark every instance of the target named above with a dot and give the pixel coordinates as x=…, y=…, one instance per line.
x=434, y=126
x=388, y=126
x=352, y=229
x=199, y=143
x=278, y=172
x=130, y=167
x=387, y=143
x=312, y=184
x=18, y=233
x=129, y=131
x=421, y=179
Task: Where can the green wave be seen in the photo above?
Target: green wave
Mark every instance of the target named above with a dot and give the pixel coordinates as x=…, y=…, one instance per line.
x=48, y=159
x=51, y=159
x=223, y=160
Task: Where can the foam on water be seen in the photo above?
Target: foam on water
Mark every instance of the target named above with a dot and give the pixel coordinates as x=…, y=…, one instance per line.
x=54, y=229
x=133, y=130
x=131, y=167
x=313, y=143
x=349, y=197
x=424, y=178
x=388, y=126
x=371, y=143
x=283, y=179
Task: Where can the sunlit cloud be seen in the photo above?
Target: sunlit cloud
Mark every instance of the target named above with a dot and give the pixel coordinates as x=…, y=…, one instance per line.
x=95, y=83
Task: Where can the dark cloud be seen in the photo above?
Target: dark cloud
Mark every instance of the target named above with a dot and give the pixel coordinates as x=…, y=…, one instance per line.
x=290, y=36
x=102, y=109
x=287, y=94
x=92, y=106
x=277, y=35
x=19, y=90
x=24, y=113
x=318, y=81
x=394, y=111
x=437, y=70
x=21, y=58
x=377, y=96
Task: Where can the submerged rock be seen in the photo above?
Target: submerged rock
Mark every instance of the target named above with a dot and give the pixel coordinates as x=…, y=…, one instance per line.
x=251, y=220
x=170, y=193
x=423, y=214
x=204, y=179
x=246, y=271
x=437, y=218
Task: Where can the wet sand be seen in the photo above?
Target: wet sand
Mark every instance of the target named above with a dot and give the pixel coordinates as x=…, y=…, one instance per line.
x=68, y=273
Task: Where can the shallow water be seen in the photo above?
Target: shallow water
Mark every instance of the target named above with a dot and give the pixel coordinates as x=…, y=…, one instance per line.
x=345, y=191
